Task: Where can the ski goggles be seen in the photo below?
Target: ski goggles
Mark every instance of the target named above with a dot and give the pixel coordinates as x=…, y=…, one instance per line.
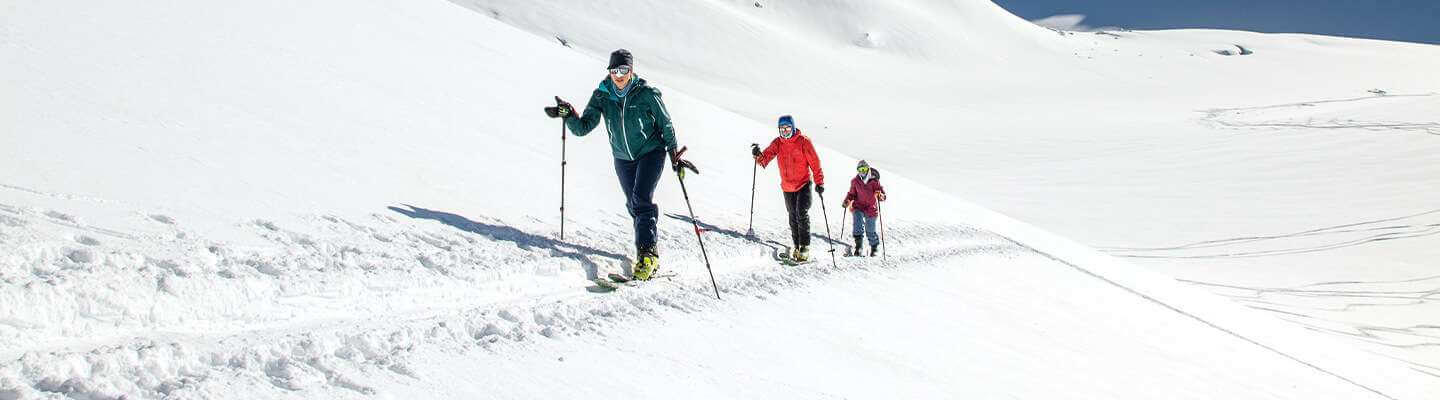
x=620, y=71
x=863, y=169
x=786, y=131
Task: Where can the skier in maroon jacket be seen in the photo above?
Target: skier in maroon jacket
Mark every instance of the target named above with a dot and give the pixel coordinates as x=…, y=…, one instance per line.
x=862, y=201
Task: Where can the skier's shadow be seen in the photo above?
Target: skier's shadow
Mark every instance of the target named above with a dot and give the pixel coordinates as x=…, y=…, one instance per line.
x=839, y=245
x=776, y=248
x=522, y=239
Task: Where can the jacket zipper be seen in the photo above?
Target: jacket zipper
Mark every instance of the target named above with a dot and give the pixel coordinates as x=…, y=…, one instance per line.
x=623, y=136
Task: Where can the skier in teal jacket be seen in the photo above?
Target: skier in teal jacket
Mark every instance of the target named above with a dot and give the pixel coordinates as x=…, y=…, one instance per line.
x=640, y=137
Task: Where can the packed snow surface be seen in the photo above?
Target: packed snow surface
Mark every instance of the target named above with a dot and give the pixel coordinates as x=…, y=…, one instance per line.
x=359, y=199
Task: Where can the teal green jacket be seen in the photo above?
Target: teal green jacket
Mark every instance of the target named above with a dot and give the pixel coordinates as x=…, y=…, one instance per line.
x=637, y=122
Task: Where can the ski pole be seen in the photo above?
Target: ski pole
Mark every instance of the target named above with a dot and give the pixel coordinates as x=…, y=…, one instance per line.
x=826, y=214
x=754, y=167
x=562, y=179
x=695, y=222
x=884, y=257
x=843, y=217
x=554, y=112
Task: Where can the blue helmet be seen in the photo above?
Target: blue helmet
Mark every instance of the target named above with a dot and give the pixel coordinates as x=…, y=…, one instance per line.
x=787, y=120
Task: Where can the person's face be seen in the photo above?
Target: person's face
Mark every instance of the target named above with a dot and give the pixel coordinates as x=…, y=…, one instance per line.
x=621, y=75
x=786, y=131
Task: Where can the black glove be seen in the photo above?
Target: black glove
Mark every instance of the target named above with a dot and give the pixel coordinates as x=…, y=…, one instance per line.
x=680, y=164
x=755, y=150
x=560, y=110
x=820, y=189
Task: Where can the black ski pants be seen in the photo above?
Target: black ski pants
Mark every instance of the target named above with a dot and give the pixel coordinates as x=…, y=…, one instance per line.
x=797, y=203
x=638, y=180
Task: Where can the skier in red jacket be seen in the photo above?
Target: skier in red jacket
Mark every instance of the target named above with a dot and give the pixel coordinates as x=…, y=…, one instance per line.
x=797, y=163
x=863, y=203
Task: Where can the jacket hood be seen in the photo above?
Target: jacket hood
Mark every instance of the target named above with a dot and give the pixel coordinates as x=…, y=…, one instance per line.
x=869, y=176
x=793, y=137
x=608, y=87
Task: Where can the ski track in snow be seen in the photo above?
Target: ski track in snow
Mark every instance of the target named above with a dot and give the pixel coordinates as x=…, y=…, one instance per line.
x=1255, y=117
x=1210, y=324
x=170, y=356
x=1327, y=306
x=462, y=283
x=1315, y=240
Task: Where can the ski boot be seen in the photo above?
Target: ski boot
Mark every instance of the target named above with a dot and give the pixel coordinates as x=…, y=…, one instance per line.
x=874, y=249
x=855, y=251
x=802, y=254
x=646, y=265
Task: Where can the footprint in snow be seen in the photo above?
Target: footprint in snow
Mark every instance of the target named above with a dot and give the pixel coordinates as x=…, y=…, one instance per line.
x=86, y=240
x=60, y=216
x=267, y=225
x=161, y=218
x=81, y=256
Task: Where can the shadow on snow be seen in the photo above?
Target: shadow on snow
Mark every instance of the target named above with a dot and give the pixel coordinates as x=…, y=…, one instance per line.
x=522, y=239
x=776, y=248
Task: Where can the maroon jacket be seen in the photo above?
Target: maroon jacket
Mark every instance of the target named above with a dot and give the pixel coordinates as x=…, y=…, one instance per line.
x=862, y=193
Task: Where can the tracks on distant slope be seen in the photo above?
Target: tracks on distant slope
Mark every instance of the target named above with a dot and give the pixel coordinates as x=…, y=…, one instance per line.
x=1236, y=117
x=1326, y=307
x=1408, y=226
x=1205, y=321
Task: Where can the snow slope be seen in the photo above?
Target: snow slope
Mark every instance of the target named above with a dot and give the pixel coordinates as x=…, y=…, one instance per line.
x=357, y=199
x=1127, y=141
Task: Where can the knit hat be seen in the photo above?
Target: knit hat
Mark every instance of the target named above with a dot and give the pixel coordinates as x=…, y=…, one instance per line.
x=621, y=57
x=787, y=120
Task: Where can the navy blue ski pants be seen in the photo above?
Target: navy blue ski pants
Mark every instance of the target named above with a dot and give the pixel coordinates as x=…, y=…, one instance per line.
x=638, y=180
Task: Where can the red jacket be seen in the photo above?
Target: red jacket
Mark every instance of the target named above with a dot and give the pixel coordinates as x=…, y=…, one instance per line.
x=797, y=161
x=862, y=193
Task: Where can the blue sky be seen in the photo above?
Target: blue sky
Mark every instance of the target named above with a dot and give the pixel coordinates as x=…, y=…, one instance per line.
x=1404, y=20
